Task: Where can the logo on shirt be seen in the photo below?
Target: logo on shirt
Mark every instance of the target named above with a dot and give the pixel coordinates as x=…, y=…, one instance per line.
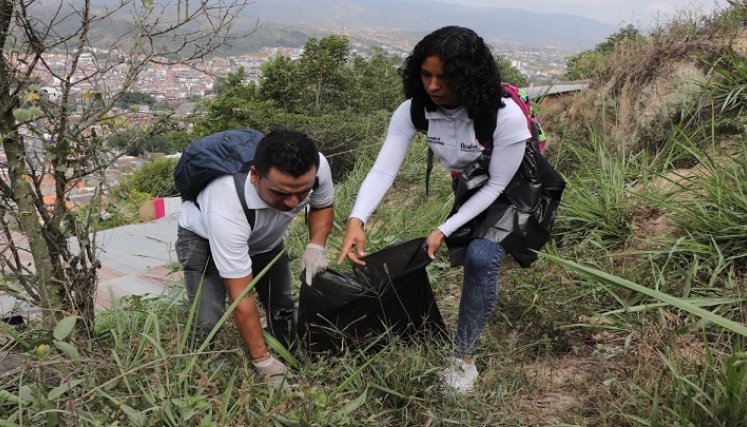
x=471, y=148
x=435, y=140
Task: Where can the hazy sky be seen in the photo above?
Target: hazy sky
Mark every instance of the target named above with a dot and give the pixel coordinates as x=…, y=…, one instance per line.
x=641, y=13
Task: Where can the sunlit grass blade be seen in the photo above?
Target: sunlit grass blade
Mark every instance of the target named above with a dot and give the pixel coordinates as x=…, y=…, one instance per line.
x=697, y=302
x=668, y=299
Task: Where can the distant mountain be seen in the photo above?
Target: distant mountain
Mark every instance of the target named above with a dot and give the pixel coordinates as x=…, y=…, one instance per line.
x=397, y=23
x=513, y=27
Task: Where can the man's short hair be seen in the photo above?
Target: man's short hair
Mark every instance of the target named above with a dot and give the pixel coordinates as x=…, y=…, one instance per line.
x=289, y=151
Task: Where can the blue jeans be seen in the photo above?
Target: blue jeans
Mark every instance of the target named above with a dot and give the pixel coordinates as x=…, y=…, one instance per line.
x=479, y=293
x=273, y=290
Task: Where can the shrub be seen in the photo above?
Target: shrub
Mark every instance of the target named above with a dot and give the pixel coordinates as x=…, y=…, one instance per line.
x=156, y=178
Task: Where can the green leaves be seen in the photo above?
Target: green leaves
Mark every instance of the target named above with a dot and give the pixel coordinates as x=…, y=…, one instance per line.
x=61, y=332
x=63, y=388
x=68, y=349
x=64, y=327
x=22, y=115
x=509, y=73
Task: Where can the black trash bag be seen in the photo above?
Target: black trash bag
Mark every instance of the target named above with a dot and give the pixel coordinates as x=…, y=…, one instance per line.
x=522, y=217
x=390, y=293
x=524, y=220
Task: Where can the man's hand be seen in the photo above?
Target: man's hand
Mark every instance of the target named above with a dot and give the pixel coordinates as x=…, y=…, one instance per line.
x=354, y=238
x=273, y=371
x=314, y=260
x=434, y=241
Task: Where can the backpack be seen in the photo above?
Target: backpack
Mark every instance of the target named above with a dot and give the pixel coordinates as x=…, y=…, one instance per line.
x=484, y=130
x=522, y=99
x=223, y=153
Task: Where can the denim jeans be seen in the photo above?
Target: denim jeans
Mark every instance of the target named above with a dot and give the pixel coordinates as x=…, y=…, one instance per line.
x=273, y=290
x=479, y=293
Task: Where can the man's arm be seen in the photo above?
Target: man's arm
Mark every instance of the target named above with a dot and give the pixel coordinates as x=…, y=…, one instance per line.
x=247, y=319
x=314, y=257
x=320, y=224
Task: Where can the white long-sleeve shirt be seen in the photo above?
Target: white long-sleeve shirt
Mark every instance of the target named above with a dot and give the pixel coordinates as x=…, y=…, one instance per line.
x=451, y=136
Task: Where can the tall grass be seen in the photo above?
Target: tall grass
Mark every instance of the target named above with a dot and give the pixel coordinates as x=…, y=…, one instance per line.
x=650, y=333
x=140, y=378
x=711, y=205
x=699, y=271
x=727, y=89
x=712, y=395
x=596, y=210
x=140, y=371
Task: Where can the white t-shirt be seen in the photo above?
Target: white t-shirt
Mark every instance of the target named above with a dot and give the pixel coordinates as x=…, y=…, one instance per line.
x=221, y=219
x=451, y=136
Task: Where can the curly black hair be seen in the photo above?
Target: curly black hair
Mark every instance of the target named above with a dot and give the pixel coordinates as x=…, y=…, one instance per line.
x=291, y=152
x=469, y=69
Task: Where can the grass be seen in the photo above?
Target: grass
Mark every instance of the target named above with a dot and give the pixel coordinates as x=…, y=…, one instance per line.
x=138, y=373
x=561, y=347
x=633, y=316
x=600, y=210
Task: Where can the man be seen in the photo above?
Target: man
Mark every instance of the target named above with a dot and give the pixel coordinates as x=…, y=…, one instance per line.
x=221, y=252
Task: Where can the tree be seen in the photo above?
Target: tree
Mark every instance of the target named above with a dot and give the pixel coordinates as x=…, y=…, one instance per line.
x=591, y=63
x=236, y=106
x=509, y=73
x=57, y=137
x=342, y=100
x=376, y=83
x=129, y=99
x=135, y=142
x=322, y=64
x=281, y=82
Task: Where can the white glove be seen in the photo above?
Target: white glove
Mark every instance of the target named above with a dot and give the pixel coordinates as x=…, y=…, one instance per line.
x=314, y=260
x=273, y=371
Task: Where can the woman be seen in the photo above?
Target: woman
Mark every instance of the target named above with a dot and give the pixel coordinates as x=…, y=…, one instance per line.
x=454, y=75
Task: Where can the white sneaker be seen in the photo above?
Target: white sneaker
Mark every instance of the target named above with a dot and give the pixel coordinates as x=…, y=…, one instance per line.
x=460, y=376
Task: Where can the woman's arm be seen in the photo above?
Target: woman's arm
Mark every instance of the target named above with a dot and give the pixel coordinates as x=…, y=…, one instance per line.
x=509, y=144
x=385, y=169
x=377, y=182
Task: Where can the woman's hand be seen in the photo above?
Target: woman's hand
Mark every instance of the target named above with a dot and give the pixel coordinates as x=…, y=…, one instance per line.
x=434, y=241
x=354, y=238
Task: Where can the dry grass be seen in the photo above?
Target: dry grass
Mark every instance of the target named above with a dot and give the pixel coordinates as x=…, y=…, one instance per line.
x=648, y=85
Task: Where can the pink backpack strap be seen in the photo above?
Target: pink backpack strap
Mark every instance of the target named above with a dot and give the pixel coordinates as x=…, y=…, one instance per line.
x=532, y=123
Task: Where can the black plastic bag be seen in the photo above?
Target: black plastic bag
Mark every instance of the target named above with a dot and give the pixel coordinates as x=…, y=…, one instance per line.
x=521, y=219
x=390, y=293
x=473, y=177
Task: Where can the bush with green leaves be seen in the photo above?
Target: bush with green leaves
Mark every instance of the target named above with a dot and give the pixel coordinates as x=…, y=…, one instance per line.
x=593, y=63
x=155, y=177
x=342, y=136
x=126, y=210
x=137, y=143
x=509, y=73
